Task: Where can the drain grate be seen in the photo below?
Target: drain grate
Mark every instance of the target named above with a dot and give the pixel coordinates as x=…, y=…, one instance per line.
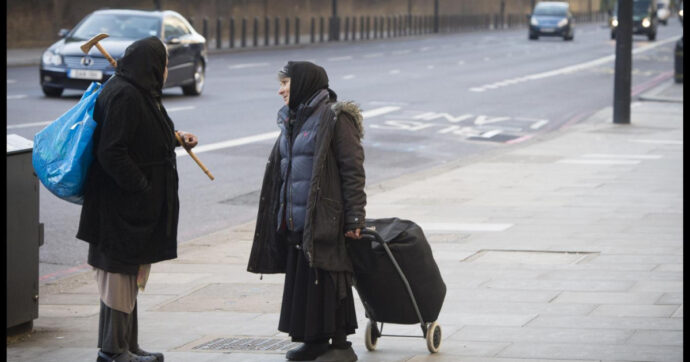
x=247, y=344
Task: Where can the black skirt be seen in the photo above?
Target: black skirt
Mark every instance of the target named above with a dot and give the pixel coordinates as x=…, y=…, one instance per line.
x=311, y=311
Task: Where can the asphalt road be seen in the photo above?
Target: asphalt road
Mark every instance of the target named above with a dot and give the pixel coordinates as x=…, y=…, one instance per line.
x=428, y=100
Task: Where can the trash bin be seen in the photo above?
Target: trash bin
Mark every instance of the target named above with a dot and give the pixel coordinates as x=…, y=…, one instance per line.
x=678, y=76
x=24, y=236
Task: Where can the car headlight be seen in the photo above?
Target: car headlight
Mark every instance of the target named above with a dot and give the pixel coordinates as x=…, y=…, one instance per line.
x=51, y=58
x=562, y=23
x=680, y=12
x=645, y=23
x=534, y=21
x=614, y=22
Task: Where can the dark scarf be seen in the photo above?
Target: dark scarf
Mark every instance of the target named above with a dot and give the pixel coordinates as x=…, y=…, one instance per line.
x=143, y=65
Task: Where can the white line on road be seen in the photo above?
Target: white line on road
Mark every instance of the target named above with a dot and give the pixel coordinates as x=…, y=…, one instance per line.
x=248, y=65
x=539, y=124
x=269, y=135
x=373, y=55
x=394, y=71
x=453, y=227
x=10, y=81
x=16, y=96
x=26, y=125
x=340, y=59
x=631, y=157
x=568, y=69
x=401, y=52
x=183, y=108
x=429, y=67
x=461, y=62
x=349, y=76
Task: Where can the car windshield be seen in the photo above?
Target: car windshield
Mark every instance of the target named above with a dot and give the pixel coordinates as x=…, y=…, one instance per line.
x=640, y=7
x=550, y=9
x=118, y=26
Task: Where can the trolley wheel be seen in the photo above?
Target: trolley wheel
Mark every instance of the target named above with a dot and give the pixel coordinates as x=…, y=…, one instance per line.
x=371, y=336
x=433, y=337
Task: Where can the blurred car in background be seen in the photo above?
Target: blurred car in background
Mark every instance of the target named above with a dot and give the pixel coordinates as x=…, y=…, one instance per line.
x=551, y=18
x=645, y=20
x=663, y=11
x=65, y=66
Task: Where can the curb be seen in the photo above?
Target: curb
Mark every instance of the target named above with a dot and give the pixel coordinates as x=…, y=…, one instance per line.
x=655, y=94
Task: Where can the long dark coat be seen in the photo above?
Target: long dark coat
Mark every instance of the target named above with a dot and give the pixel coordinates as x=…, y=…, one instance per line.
x=336, y=197
x=131, y=205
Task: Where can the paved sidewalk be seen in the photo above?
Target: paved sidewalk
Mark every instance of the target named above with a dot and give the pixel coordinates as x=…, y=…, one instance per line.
x=566, y=248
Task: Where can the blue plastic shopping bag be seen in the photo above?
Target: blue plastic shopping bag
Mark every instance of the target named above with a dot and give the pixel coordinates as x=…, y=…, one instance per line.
x=63, y=151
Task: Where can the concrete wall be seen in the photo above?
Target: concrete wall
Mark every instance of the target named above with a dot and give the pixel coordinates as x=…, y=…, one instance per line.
x=35, y=23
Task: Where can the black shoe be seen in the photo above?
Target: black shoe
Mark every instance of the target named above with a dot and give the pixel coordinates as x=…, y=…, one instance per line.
x=123, y=357
x=140, y=352
x=336, y=354
x=307, y=351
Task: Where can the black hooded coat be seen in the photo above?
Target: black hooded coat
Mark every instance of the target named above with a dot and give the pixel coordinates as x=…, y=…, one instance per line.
x=131, y=205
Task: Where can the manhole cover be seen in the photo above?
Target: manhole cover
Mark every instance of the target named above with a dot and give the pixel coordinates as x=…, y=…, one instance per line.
x=247, y=344
x=542, y=257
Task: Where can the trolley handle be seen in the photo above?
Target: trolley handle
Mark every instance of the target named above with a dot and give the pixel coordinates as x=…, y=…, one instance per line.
x=372, y=235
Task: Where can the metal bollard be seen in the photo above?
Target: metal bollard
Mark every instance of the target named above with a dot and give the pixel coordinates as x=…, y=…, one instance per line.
x=354, y=27
x=276, y=31
x=388, y=20
x=313, y=28
x=256, y=32
x=368, y=27
x=321, y=25
x=395, y=26
x=296, y=30
x=243, y=35
x=287, y=30
x=376, y=27
x=267, y=30
x=361, y=27
x=205, y=27
x=232, y=32
x=347, y=29
x=219, y=36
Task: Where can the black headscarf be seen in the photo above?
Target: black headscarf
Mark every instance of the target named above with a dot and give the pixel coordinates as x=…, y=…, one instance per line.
x=143, y=64
x=306, y=79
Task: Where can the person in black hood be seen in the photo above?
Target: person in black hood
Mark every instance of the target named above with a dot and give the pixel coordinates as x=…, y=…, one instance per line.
x=312, y=199
x=130, y=210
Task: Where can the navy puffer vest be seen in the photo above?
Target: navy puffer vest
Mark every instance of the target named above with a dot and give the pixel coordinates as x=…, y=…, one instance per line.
x=297, y=159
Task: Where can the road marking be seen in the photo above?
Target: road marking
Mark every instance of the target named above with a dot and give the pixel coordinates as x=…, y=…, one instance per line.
x=461, y=62
x=349, y=76
x=373, y=55
x=394, y=71
x=632, y=157
x=539, y=124
x=599, y=162
x=183, y=108
x=567, y=69
x=16, y=96
x=456, y=227
x=339, y=59
x=429, y=67
x=425, y=49
x=269, y=135
x=661, y=142
x=10, y=81
x=401, y=52
x=26, y=125
x=248, y=65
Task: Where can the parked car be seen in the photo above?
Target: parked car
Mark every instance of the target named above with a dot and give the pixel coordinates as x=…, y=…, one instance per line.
x=551, y=18
x=65, y=66
x=663, y=11
x=645, y=20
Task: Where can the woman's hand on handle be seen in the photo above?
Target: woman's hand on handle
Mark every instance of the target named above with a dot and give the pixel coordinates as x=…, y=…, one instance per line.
x=353, y=234
x=189, y=139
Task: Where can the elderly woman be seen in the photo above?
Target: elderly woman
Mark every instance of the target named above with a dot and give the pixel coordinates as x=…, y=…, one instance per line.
x=312, y=199
x=130, y=211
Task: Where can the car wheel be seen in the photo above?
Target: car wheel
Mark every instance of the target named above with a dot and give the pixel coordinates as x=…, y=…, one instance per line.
x=613, y=35
x=651, y=36
x=197, y=87
x=52, y=91
x=533, y=37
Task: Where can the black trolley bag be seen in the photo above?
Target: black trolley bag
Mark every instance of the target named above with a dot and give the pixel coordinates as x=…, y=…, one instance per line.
x=397, y=279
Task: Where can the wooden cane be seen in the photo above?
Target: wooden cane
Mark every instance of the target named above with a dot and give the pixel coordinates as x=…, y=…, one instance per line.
x=198, y=162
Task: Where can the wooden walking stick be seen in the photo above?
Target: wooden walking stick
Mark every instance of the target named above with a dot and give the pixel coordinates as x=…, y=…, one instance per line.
x=198, y=161
x=86, y=47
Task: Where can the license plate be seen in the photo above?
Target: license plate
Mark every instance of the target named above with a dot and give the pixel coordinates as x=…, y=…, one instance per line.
x=85, y=74
x=547, y=30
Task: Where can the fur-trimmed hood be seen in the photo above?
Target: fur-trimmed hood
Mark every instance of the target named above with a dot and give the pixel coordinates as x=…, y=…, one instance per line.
x=352, y=109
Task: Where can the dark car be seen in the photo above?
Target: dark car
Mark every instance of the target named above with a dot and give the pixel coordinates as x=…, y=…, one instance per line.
x=64, y=65
x=551, y=18
x=644, y=17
